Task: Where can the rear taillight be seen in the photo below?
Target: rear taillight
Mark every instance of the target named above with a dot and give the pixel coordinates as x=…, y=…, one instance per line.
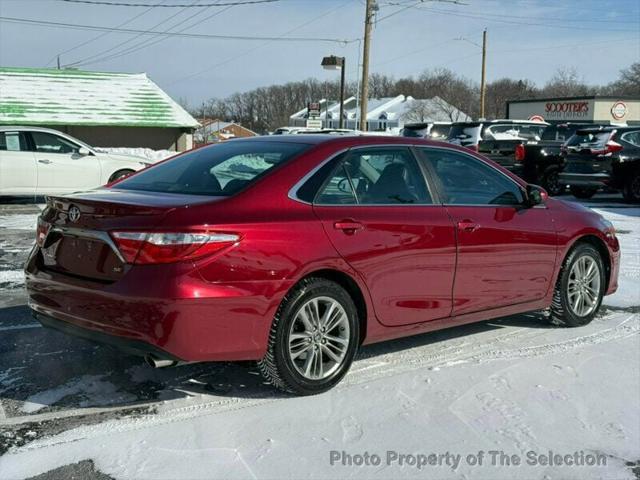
x=519, y=152
x=42, y=229
x=169, y=247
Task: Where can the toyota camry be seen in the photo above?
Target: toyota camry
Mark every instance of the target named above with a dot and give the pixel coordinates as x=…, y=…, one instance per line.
x=295, y=251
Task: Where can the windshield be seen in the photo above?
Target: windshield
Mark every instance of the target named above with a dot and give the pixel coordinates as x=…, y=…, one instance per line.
x=217, y=170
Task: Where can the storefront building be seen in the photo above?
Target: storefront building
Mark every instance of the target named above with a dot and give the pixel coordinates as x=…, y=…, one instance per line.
x=592, y=109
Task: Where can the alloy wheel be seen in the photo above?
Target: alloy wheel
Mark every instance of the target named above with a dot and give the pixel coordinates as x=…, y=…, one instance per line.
x=319, y=338
x=583, y=289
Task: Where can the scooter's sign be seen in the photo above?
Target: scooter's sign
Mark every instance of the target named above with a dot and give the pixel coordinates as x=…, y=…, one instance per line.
x=566, y=110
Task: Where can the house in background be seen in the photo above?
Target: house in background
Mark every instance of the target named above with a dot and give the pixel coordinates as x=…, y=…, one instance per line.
x=384, y=114
x=215, y=130
x=102, y=109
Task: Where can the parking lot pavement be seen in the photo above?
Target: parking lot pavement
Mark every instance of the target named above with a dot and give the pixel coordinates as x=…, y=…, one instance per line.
x=60, y=397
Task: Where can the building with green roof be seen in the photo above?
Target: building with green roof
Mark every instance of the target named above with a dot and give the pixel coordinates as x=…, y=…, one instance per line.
x=102, y=109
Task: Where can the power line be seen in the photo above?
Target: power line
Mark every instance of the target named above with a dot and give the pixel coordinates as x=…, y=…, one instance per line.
x=96, y=58
x=172, y=5
x=104, y=34
x=251, y=50
x=199, y=36
x=491, y=18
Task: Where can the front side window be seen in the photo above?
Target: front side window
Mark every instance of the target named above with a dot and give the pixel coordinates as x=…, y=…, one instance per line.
x=376, y=177
x=465, y=180
x=13, y=142
x=218, y=170
x=49, y=143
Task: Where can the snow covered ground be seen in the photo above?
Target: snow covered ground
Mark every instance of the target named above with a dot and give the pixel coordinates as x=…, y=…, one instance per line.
x=149, y=154
x=514, y=386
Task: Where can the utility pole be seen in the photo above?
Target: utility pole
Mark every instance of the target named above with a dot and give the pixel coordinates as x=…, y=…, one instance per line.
x=368, y=20
x=483, y=78
x=58, y=62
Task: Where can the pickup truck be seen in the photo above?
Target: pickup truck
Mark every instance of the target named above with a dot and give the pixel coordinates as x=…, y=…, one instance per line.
x=499, y=141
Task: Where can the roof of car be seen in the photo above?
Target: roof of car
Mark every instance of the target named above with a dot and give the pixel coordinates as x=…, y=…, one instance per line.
x=14, y=128
x=607, y=128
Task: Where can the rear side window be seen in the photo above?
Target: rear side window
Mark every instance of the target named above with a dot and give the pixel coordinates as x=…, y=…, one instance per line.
x=217, y=170
x=465, y=180
x=13, y=142
x=631, y=137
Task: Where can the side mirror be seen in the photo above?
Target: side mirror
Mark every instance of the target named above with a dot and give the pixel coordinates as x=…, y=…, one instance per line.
x=84, y=151
x=536, y=195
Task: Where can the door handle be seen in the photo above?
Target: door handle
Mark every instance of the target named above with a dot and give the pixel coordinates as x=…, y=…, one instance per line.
x=468, y=226
x=348, y=226
x=45, y=161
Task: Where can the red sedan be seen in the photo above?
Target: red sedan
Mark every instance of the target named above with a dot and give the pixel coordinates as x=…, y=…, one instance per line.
x=294, y=251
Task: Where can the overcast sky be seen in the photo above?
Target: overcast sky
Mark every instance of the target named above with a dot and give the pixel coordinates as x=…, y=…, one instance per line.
x=526, y=39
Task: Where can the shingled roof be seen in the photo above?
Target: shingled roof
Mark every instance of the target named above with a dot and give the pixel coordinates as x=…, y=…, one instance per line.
x=41, y=96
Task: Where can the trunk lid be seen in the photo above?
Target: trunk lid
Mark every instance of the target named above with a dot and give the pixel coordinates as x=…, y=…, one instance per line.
x=78, y=241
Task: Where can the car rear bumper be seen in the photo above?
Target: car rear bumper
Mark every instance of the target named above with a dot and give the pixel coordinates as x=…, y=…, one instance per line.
x=595, y=180
x=127, y=345
x=170, y=313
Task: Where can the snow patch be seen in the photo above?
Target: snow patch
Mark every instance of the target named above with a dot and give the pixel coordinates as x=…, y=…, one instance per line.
x=146, y=153
x=22, y=221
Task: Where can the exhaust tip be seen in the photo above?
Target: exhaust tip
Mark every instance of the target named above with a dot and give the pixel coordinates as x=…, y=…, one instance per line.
x=158, y=363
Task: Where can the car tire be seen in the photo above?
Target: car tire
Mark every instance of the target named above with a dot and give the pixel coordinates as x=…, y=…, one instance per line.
x=631, y=191
x=551, y=182
x=583, y=192
x=580, y=287
x=119, y=174
x=316, y=359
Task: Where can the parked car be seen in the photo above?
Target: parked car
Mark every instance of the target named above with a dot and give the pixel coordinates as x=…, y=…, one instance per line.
x=428, y=130
x=603, y=157
x=295, y=251
x=42, y=161
x=496, y=136
x=541, y=161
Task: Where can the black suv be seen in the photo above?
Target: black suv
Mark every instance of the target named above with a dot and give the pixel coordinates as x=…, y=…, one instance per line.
x=542, y=161
x=603, y=157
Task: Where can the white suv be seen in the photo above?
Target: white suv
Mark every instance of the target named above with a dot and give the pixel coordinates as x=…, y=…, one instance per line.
x=41, y=161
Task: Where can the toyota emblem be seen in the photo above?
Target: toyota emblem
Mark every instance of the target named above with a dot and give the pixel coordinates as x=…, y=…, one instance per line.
x=74, y=214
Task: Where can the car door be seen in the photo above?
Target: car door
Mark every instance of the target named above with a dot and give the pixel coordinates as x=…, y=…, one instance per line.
x=18, y=172
x=506, y=250
x=61, y=169
x=380, y=216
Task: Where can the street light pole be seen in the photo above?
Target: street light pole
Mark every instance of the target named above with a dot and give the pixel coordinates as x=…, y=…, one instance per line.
x=333, y=63
x=368, y=20
x=342, y=69
x=483, y=78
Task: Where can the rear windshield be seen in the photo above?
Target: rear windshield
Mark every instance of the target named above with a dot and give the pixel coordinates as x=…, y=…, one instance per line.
x=515, y=131
x=588, y=140
x=559, y=133
x=464, y=131
x=217, y=170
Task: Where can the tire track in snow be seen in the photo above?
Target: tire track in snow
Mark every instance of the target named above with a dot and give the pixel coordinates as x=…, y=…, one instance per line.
x=397, y=363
